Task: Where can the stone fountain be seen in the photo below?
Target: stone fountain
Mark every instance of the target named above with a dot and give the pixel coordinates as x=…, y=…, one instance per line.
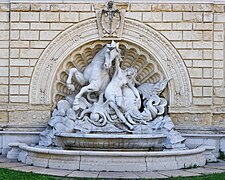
x=112, y=110
x=113, y=123
x=112, y=120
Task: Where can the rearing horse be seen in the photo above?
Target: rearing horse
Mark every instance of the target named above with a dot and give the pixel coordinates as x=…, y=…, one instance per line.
x=96, y=73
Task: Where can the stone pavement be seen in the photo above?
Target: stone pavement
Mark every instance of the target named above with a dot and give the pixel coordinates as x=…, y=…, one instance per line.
x=208, y=169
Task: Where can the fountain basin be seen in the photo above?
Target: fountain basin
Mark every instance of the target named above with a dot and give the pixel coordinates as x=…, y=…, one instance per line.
x=111, y=141
x=111, y=160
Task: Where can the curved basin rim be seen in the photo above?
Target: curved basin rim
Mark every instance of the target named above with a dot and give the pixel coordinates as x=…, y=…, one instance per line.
x=112, y=136
x=27, y=148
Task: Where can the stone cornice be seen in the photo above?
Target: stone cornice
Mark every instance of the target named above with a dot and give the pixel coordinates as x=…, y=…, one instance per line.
x=126, y=1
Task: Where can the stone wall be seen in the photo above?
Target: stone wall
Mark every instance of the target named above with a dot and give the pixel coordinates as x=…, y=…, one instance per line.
x=195, y=30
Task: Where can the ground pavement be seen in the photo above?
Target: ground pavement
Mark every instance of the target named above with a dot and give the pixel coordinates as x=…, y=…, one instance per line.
x=207, y=169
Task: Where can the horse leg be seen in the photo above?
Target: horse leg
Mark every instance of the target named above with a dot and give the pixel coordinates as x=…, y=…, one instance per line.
x=88, y=88
x=119, y=101
x=68, y=81
x=129, y=118
x=120, y=115
x=79, y=77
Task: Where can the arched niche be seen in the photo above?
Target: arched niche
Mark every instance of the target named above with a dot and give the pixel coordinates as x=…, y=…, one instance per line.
x=148, y=69
x=144, y=40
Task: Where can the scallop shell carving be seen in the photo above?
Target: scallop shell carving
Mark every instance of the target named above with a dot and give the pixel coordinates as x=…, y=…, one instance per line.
x=133, y=56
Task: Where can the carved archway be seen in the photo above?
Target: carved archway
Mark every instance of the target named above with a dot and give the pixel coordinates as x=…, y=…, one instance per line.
x=139, y=34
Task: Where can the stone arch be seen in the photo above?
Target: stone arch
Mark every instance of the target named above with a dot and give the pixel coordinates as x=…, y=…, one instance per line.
x=135, y=32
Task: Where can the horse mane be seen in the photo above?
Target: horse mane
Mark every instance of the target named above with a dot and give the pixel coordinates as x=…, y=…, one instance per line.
x=99, y=52
x=120, y=55
x=102, y=51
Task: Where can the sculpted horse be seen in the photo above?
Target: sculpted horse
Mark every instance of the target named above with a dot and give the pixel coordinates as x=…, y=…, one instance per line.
x=96, y=75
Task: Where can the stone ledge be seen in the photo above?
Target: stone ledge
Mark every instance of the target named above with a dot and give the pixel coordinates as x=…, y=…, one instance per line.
x=112, y=153
x=131, y=1
x=111, y=161
x=18, y=133
x=210, y=168
x=205, y=135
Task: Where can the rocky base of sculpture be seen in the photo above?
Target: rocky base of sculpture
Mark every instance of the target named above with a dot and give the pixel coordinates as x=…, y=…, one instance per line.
x=111, y=160
x=64, y=120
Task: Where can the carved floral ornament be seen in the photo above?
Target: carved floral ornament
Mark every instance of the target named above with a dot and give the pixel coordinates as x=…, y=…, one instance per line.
x=49, y=69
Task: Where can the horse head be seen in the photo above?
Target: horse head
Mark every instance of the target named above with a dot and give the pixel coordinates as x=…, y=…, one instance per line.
x=112, y=52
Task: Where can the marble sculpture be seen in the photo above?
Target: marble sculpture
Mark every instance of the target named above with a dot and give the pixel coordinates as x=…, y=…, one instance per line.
x=111, y=100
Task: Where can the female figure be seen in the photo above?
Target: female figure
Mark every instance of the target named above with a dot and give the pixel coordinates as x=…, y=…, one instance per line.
x=114, y=92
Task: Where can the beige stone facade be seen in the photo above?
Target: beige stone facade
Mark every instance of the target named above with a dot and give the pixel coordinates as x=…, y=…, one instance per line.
x=195, y=31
